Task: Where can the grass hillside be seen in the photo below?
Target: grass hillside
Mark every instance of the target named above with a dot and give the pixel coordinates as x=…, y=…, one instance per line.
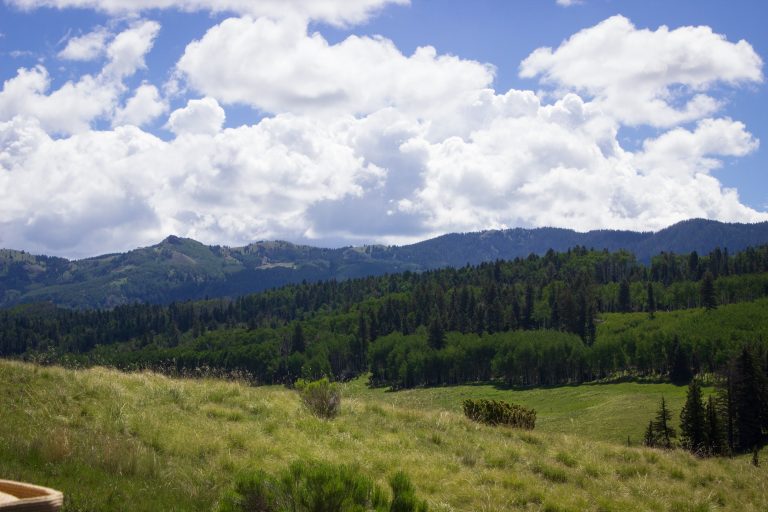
x=600, y=412
x=114, y=441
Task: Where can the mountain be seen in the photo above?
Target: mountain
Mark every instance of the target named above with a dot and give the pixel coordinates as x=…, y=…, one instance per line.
x=181, y=268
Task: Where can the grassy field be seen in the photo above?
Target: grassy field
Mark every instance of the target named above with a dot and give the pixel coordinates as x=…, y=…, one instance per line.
x=142, y=442
x=601, y=412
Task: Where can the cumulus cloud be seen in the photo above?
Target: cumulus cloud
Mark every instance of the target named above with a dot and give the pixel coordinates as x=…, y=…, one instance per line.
x=86, y=47
x=566, y=168
x=203, y=116
x=143, y=107
x=125, y=187
x=74, y=106
x=278, y=67
x=365, y=143
x=336, y=12
x=126, y=52
x=642, y=76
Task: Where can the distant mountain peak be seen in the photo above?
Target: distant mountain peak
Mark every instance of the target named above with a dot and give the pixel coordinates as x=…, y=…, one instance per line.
x=182, y=268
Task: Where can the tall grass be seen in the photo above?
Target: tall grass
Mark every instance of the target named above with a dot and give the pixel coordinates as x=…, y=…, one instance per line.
x=142, y=442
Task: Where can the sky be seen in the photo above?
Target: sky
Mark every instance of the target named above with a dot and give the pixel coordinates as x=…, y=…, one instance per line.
x=331, y=122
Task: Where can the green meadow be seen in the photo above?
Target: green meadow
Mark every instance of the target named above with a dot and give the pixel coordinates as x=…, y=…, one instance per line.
x=145, y=442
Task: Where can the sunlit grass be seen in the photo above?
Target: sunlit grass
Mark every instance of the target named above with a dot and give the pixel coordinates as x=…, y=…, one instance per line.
x=114, y=441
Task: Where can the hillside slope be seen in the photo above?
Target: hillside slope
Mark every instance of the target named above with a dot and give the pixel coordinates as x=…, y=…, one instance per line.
x=181, y=269
x=143, y=442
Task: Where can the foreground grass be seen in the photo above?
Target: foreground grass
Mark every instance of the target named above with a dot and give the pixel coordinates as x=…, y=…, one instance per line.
x=136, y=442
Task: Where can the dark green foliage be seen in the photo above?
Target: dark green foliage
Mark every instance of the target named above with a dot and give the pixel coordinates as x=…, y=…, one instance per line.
x=624, y=300
x=715, y=434
x=436, y=336
x=318, y=487
x=708, y=298
x=680, y=370
x=321, y=397
x=297, y=340
x=693, y=421
x=650, y=301
x=497, y=412
x=649, y=438
x=388, y=325
x=661, y=429
x=750, y=401
x=404, y=495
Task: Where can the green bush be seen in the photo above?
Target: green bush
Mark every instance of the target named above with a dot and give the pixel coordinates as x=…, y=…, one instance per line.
x=318, y=487
x=321, y=397
x=497, y=412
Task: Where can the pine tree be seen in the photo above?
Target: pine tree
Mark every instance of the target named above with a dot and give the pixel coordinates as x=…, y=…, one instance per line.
x=649, y=439
x=693, y=420
x=749, y=400
x=714, y=435
x=651, y=301
x=661, y=426
x=707, y=291
x=528, y=308
x=680, y=369
x=297, y=340
x=436, y=336
x=625, y=299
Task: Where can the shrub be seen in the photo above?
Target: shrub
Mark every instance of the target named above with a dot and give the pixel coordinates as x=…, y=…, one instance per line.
x=496, y=412
x=318, y=487
x=321, y=397
x=404, y=495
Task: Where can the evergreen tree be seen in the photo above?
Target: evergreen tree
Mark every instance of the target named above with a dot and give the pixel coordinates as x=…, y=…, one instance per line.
x=624, y=300
x=693, y=266
x=528, y=308
x=649, y=439
x=749, y=400
x=664, y=432
x=680, y=369
x=436, y=336
x=714, y=435
x=651, y=301
x=693, y=427
x=707, y=292
x=297, y=339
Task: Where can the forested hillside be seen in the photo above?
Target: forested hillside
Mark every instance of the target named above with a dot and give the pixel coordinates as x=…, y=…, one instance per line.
x=180, y=269
x=538, y=320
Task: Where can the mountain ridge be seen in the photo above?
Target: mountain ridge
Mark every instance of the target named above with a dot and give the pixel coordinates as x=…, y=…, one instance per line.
x=182, y=268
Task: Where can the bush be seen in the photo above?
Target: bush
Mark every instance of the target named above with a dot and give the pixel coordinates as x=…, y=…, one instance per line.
x=321, y=397
x=404, y=495
x=318, y=487
x=496, y=412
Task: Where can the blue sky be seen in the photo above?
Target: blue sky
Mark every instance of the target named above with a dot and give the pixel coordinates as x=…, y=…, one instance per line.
x=378, y=121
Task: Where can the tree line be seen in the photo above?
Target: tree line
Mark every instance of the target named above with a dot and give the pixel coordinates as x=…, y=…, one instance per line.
x=733, y=420
x=534, y=320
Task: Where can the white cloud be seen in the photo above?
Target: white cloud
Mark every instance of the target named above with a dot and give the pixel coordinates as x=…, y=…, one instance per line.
x=86, y=47
x=126, y=52
x=278, y=67
x=683, y=152
x=365, y=143
x=203, y=116
x=641, y=76
x=69, y=109
x=124, y=188
x=74, y=106
x=143, y=107
x=336, y=12
x=568, y=3
x=566, y=168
